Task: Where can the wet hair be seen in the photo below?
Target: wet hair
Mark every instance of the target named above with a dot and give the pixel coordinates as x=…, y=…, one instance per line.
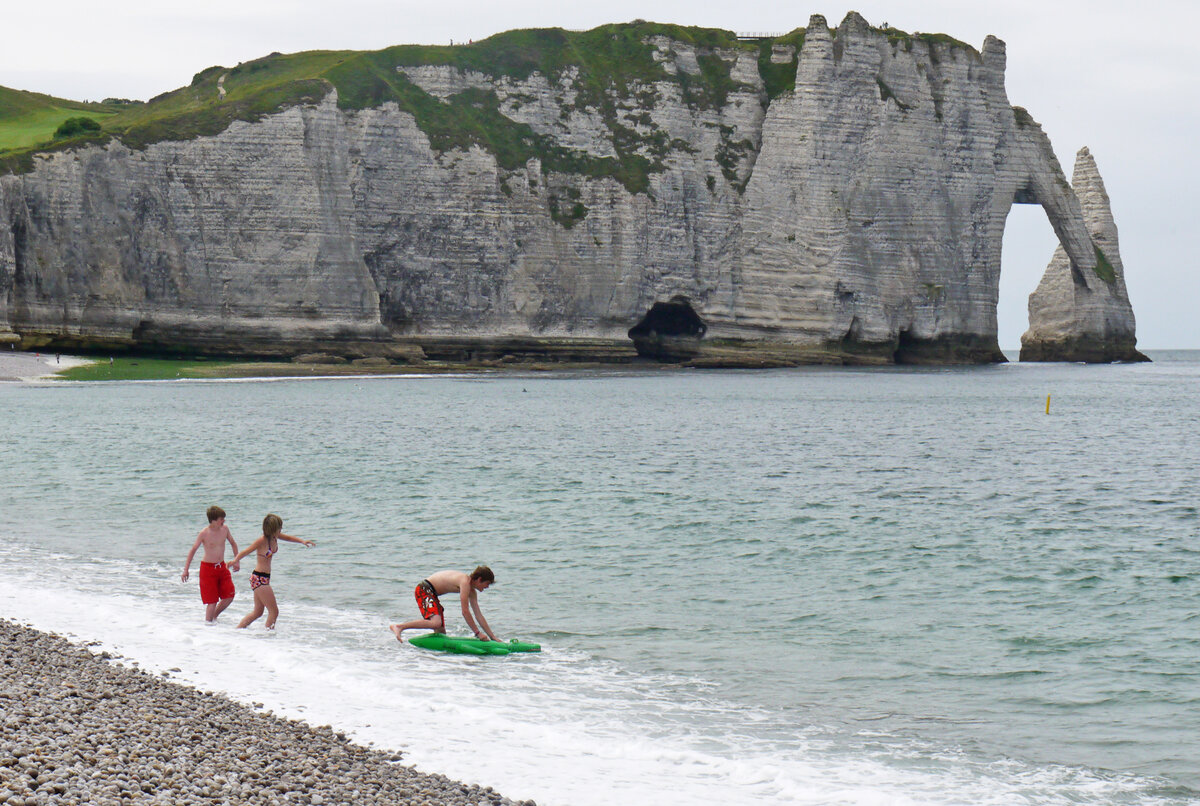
x=272, y=526
x=483, y=574
x=215, y=513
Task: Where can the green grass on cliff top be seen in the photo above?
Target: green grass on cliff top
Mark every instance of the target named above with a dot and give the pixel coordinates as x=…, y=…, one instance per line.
x=29, y=119
x=605, y=67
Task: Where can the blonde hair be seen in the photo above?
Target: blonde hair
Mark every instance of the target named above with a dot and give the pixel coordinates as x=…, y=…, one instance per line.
x=272, y=526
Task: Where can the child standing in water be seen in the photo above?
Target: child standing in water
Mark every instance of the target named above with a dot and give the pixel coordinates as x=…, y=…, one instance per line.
x=216, y=585
x=260, y=578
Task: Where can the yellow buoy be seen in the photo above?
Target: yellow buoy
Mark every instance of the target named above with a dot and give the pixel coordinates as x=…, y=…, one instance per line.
x=1047, y=404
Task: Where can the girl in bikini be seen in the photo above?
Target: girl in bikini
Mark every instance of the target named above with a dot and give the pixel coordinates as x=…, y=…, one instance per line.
x=260, y=578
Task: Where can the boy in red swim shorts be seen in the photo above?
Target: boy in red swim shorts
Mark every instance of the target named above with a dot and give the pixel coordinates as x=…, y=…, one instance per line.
x=433, y=615
x=216, y=583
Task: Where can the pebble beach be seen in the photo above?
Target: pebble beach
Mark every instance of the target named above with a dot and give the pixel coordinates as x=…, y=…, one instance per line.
x=85, y=728
x=21, y=366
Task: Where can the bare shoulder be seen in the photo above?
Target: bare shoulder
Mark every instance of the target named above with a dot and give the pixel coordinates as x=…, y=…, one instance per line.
x=448, y=580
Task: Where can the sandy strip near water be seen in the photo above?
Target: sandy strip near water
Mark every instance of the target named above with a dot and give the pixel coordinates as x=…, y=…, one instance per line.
x=18, y=366
x=81, y=729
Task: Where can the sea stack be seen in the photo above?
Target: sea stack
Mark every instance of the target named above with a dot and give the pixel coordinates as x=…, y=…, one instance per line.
x=1084, y=316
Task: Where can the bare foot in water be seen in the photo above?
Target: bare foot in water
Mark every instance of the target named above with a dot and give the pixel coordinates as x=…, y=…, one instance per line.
x=395, y=628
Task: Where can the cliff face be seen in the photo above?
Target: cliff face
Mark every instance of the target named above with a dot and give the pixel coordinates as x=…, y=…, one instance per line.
x=1072, y=317
x=248, y=237
x=856, y=216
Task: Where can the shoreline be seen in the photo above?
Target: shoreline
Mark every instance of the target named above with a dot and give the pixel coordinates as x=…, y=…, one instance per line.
x=30, y=367
x=83, y=728
x=439, y=354
x=26, y=367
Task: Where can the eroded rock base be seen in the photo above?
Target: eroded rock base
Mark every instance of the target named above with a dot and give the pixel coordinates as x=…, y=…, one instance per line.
x=1088, y=351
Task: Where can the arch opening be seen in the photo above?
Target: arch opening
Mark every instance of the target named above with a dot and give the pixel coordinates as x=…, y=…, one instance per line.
x=1029, y=243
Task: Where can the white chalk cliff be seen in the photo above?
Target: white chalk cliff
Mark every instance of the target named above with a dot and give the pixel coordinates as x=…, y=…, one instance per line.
x=857, y=217
x=1071, y=316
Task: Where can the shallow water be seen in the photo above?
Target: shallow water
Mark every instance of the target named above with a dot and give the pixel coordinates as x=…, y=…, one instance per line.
x=805, y=586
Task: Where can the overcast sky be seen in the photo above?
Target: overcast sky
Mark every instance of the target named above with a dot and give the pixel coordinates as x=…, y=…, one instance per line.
x=1116, y=76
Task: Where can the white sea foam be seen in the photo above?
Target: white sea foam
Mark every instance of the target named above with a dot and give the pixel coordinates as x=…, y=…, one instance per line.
x=555, y=727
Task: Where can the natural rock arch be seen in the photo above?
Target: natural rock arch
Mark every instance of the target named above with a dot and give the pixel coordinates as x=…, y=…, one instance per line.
x=1083, y=314
x=850, y=208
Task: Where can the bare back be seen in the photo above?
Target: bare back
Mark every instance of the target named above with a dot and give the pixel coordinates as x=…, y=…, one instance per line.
x=444, y=582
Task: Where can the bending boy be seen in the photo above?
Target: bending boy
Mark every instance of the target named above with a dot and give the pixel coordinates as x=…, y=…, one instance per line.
x=433, y=615
x=215, y=580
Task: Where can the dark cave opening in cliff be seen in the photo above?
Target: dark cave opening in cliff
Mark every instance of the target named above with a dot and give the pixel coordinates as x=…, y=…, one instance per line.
x=673, y=318
x=669, y=330
x=1029, y=243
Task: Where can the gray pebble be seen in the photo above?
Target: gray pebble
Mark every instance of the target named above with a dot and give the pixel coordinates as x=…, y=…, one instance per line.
x=77, y=729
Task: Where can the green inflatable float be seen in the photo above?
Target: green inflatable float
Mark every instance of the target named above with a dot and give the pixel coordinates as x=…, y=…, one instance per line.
x=440, y=642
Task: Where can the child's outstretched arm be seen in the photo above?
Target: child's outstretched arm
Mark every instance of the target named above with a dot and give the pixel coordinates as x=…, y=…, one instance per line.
x=252, y=547
x=291, y=539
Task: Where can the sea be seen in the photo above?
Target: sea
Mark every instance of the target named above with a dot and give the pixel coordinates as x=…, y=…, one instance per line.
x=969, y=585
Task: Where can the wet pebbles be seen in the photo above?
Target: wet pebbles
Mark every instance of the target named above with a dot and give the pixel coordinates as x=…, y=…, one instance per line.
x=79, y=728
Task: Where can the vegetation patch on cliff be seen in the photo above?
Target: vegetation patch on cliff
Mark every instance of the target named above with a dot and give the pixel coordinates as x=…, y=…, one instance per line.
x=568, y=211
x=29, y=121
x=76, y=127
x=611, y=71
x=730, y=154
x=29, y=118
x=474, y=117
x=614, y=72
x=779, y=76
x=932, y=41
x=1104, y=268
x=607, y=68
x=217, y=97
x=611, y=60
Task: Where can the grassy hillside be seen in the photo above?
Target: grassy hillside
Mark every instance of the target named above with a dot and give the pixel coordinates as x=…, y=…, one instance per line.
x=29, y=118
x=608, y=65
x=612, y=61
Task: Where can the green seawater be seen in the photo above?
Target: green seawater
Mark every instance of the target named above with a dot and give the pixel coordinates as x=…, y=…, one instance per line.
x=916, y=557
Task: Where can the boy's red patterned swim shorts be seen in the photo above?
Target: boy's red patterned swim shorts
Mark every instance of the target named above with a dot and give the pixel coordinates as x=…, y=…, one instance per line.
x=428, y=603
